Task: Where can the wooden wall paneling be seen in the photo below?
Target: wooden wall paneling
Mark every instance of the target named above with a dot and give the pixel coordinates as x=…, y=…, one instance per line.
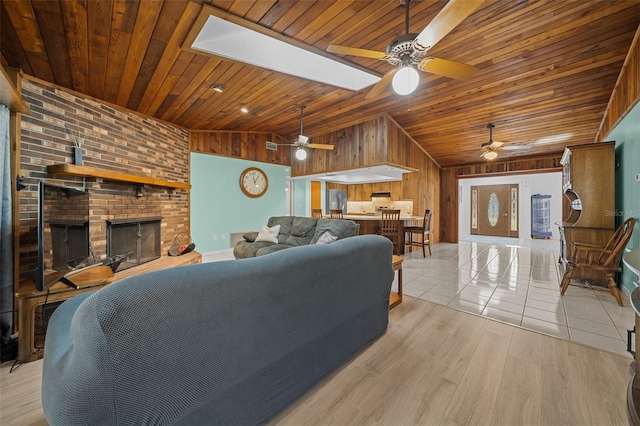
x=332, y=185
x=449, y=206
x=626, y=92
x=379, y=141
x=396, y=147
x=528, y=165
x=242, y=145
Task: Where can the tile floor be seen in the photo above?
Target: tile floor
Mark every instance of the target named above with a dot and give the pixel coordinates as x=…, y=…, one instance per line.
x=515, y=281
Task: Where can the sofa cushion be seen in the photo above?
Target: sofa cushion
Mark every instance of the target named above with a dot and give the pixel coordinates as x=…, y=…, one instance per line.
x=272, y=249
x=285, y=226
x=245, y=249
x=302, y=231
x=269, y=234
x=338, y=227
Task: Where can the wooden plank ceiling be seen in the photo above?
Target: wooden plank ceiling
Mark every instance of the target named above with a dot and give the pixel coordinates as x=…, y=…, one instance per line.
x=547, y=68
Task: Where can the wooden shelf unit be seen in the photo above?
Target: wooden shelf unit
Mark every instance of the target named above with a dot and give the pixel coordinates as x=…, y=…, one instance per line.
x=589, y=207
x=92, y=172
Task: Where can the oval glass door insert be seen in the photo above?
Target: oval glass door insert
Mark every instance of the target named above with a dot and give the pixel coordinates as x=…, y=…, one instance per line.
x=493, y=210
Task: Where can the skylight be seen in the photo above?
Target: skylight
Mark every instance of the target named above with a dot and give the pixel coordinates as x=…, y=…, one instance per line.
x=223, y=38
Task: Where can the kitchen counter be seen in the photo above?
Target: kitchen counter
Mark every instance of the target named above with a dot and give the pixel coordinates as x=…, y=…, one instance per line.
x=378, y=216
x=369, y=224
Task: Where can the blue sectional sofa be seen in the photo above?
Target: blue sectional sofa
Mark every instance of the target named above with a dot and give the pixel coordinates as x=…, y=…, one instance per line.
x=230, y=342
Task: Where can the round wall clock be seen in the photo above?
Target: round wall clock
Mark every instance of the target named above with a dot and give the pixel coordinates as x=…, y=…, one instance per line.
x=254, y=182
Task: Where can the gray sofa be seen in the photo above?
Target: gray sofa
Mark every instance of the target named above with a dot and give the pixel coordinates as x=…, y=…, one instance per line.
x=230, y=342
x=295, y=231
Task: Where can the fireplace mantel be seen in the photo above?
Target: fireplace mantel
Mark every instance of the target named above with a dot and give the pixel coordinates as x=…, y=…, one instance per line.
x=92, y=172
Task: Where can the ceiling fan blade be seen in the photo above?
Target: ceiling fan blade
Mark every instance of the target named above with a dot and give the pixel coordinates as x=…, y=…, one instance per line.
x=320, y=146
x=382, y=84
x=447, y=68
x=516, y=147
x=492, y=145
x=445, y=21
x=354, y=51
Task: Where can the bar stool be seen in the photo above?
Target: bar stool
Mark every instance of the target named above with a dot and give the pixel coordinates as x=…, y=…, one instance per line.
x=390, y=227
x=336, y=213
x=410, y=231
x=317, y=213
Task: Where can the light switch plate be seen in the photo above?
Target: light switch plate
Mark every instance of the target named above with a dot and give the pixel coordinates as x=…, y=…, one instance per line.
x=637, y=177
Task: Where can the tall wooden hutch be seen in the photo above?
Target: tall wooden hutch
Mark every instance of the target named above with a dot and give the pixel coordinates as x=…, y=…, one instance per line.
x=588, y=183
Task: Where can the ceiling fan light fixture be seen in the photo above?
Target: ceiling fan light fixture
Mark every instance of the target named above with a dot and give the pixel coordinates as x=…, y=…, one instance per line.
x=406, y=80
x=301, y=153
x=490, y=155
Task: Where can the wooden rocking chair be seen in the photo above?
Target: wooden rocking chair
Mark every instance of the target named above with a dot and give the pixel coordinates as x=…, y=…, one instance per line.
x=605, y=259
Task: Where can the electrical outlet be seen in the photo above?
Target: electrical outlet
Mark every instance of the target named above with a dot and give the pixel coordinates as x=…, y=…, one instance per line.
x=222, y=236
x=637, y=177
x=215, y=237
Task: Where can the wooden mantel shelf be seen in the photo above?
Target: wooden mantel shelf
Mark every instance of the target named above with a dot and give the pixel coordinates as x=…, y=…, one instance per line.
x=84, y=171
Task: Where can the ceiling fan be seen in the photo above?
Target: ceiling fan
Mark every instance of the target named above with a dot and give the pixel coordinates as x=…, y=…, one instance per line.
x=411, y=49
x=491, y=148
x=302, y=141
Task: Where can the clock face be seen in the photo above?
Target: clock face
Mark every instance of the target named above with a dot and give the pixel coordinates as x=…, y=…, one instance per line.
x=253, y=182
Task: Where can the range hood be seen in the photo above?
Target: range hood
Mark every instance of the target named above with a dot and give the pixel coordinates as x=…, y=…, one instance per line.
x=380, y=195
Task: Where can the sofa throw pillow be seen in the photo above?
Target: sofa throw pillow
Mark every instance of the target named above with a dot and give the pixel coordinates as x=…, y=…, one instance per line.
x=268, y=234
x=326, y=238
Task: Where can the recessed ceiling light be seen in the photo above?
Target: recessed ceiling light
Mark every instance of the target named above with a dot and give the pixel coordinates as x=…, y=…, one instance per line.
x=244, y=109
x=268, y=49
x=218, y=87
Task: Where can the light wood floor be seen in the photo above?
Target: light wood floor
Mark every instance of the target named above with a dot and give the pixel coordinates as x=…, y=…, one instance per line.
x=434, y=365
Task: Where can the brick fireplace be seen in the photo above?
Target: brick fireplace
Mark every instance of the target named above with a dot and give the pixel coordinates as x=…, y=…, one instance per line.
x=112, y=139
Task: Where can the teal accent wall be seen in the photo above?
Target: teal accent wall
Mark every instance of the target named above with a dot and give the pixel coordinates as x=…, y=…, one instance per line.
x=301, y=197
x=218, y=205
x=627, y=137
